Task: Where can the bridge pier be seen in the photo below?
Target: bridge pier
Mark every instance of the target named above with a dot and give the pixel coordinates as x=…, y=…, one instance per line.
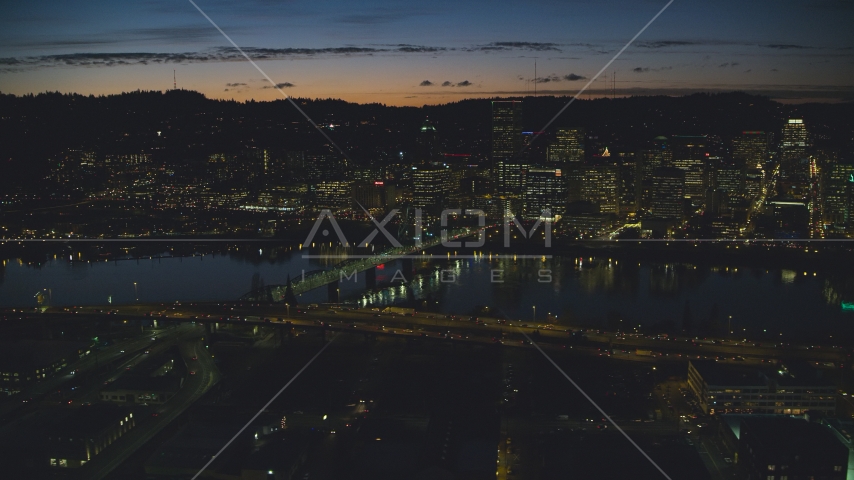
x=406, y=268
x=334, y=292
x=371, y=278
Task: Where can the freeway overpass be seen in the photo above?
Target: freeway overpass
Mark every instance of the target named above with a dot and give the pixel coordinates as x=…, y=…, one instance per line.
x=451, y=328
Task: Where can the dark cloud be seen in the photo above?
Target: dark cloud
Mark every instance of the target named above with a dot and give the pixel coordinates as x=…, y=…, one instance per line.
x=236, y=84
x=665, y=44
x=505, y=46
x=281, y=85
x=548, y=79
x=425, y=83
x=571, y=77
x=221, y=54
x=447, y=83
x=536, y=46
x=419, y=49
x=728, y=64
x=786, y=46
x=464, y=83
x=648, y=69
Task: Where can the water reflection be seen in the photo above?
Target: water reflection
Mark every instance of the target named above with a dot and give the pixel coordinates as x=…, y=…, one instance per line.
x=590, y=290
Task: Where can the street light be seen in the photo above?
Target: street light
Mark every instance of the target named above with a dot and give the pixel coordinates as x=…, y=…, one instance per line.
x=535, y=313
x=135, y=291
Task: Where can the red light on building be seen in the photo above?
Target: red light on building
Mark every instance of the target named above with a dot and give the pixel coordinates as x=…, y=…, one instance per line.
x=379, y=183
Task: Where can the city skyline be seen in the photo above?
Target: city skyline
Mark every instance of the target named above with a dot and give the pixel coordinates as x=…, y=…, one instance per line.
x=406, y=54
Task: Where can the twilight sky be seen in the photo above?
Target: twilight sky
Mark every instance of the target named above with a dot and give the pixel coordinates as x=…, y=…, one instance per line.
x=416, y=53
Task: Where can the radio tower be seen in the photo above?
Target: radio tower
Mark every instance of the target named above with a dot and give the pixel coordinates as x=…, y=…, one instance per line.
x=174, y=81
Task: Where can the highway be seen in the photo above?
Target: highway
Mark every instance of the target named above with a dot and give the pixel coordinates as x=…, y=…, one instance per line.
x=439, y=326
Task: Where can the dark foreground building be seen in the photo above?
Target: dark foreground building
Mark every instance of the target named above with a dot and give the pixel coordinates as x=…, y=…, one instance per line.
x=786, y=448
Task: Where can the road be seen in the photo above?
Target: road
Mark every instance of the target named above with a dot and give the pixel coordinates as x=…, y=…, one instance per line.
x=121, y=350
x=207, y=375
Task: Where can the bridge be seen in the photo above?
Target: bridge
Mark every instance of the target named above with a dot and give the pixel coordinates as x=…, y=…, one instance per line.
x=344, y=270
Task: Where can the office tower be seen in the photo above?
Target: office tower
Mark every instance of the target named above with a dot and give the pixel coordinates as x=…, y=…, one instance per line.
x=601, y=184
x=751, y=147
x=368, y=174
x=629, y=199
x=793, y=166
x=430, y=187
x=668, y=193
x=568, y=146
x=333, y=194
x=509, y=177
x=427, y=143
x=753, y=180
x=690, y=154
x=506, y=146
x=729, y=179
x=838, y=185
x=369, y=194
x=506, y=129
x=656, y=155
x=323, y=167
x=789, y=217
x=545, y=189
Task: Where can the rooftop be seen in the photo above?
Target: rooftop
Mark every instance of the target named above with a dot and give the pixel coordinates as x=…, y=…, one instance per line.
x=715, y=373
x=793, y=437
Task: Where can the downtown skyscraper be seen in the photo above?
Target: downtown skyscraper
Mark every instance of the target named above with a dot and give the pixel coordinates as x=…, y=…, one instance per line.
x=507, y=166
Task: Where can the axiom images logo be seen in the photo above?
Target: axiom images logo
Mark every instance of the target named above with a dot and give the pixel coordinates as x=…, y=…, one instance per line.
x=447, y=237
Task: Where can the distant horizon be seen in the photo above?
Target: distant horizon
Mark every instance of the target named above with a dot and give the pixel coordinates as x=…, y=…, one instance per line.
x=588, y=95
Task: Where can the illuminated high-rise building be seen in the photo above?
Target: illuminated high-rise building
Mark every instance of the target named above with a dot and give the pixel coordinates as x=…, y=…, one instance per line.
x=323, y=167
x=568, y=146
x=334, y=194
x=600, y=184
x=430, y=187
x=751, y=147
x=837, y=195
x=668, y=193
x=691, y=155
x=793, y=150
x=506, y=146
x=506, y=129
x=427, y=143
x=545, y=190
x=657, y=155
